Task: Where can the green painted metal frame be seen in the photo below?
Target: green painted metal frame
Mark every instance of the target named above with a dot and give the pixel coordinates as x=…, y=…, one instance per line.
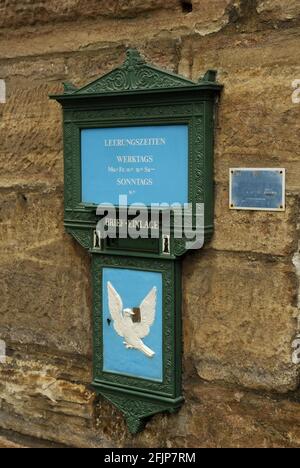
x=132, y=95
x=137, y=94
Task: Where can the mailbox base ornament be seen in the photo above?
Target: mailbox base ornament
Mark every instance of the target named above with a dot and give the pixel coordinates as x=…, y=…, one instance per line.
x=138, y=408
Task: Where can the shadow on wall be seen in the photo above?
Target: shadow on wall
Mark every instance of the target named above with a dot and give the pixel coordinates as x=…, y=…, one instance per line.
x=187, y=6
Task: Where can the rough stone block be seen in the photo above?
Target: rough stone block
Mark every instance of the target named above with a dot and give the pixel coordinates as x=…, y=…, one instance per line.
x=272, y=233
x=278, y=10
x=16, y=13
x=6, y=443
x=31, y=136
x=238, y=319
x=44, y=275
x=37, y=401
x=221, y=417
x=131, y=26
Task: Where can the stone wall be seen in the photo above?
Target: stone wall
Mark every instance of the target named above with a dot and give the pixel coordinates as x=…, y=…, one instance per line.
x=240, y=292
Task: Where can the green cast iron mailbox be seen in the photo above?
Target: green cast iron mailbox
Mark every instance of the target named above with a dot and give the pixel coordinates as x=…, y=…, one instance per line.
x=138, y=152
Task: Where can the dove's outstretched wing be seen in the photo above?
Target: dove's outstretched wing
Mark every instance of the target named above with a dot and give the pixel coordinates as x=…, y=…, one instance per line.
x=115, y=305
x=147, y=308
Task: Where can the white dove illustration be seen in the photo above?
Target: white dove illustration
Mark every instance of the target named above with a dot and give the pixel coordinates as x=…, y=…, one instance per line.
x=132, y=332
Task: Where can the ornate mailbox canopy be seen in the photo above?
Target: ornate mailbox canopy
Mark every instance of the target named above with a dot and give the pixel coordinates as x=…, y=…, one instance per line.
x=138, y=136
x=138, y=97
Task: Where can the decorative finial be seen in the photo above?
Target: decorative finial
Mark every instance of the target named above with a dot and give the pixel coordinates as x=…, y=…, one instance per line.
x=210, y=75
x=134, y=58
x=69, y=88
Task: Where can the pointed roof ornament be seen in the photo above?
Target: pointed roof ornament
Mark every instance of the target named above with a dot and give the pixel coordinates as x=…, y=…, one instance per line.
x=133, y=58
x=135, y=75
x=69, y=88
x=209, y=77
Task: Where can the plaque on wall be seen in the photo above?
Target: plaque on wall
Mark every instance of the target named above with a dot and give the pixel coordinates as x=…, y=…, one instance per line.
x=148, y=164
x=257, y=189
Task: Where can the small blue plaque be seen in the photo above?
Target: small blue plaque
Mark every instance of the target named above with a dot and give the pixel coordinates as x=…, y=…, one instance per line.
x=257, y=189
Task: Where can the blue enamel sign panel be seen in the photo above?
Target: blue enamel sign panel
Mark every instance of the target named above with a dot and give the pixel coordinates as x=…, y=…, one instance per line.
x=132, y=323
x=257, y=189
x=147, y=164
